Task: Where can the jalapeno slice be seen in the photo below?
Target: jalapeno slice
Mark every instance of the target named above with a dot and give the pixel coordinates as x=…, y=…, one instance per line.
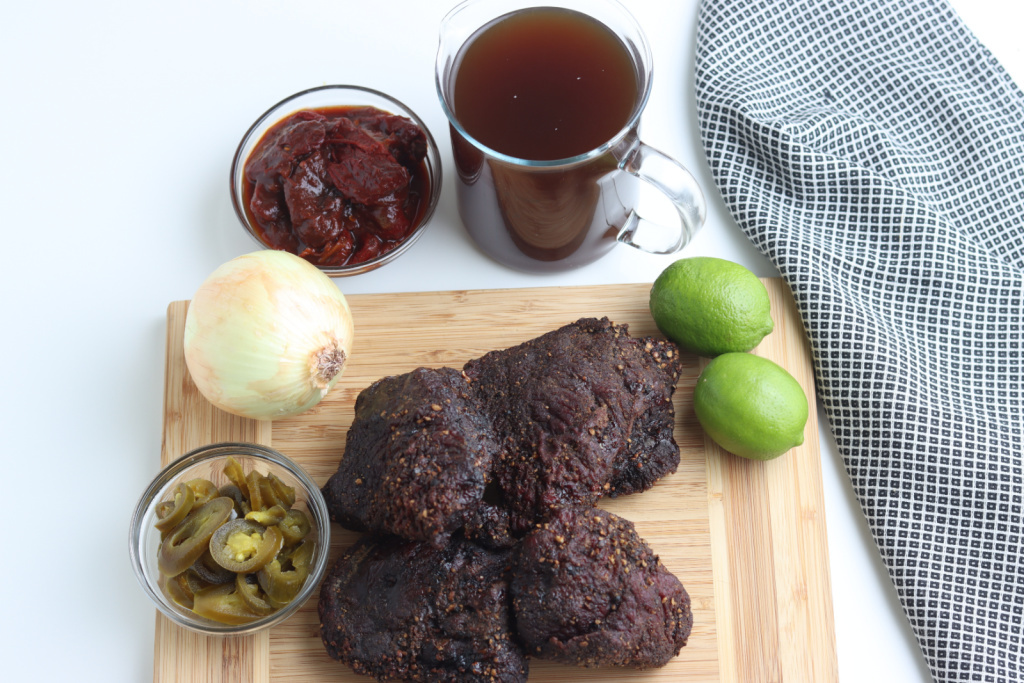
x=178, y=590
x=267, y=493
x=204, y=490
x=190, y=539
x=243, y=546
x=182, y=588
x=249, y=588
x=285, y=494
x=272, y=491
x=235, y=494
x=224, y=604
x=252, y=482
x=207, y=569
x=233, y=471
x=282, y=578
x=268, y=517
x=193, y=581
x=172, y=512
x=294, y=527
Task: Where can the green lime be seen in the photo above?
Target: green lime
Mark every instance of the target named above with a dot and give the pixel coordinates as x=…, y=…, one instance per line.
x=710, y=306
x=750, y=406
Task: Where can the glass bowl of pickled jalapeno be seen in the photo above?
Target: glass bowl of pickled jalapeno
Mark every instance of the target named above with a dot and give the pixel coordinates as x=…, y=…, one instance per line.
x=230, y=538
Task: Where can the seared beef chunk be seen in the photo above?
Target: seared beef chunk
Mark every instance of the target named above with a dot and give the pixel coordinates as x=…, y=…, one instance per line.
x=580, y=412
x=458, y=475
x=417, y=460
x=489, y=526
x=576, y=414
x=408, y=611
x=587, y=590
x=651, y=451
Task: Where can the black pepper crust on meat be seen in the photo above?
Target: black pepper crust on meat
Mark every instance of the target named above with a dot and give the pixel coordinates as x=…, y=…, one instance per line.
x=587, y=590
x=417, y=458
x=408, y=611
x=490, y=527
x=651, y=451
x=580, y=412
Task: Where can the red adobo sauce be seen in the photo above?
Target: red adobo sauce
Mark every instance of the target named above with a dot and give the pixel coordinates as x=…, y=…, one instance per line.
x=337, y=185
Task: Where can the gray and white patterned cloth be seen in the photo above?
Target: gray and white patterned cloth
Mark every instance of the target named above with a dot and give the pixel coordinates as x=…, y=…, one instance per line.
x=874, y=151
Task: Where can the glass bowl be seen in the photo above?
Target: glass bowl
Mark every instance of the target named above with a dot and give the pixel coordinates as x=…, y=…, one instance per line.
x=208, y=462
x=336, y=96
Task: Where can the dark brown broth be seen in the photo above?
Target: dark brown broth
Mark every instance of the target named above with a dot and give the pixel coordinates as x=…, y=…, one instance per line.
x=544, y=83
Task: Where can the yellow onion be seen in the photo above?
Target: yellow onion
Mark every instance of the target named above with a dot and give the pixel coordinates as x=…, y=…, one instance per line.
x=267, y=335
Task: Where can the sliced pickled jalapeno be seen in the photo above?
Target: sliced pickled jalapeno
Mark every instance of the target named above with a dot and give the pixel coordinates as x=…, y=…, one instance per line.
x=172, y=512
x=235, y=494
x=285, y=494
x=249, y=588
x=223, y=603
x=183, y=587
x=233, y=471
x=266, y=491
x=252, y=482
x=266, y=494
x=243, y=546
x=210, y=571
x=273, y=491
x=178, y=590
x=295, y=526
x=268, y=517
x=204, y=490
x=282, y=578
x=190, y=539
x=192, y=581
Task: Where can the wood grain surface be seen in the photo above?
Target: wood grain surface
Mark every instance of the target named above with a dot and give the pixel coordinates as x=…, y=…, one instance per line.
x=747, y=539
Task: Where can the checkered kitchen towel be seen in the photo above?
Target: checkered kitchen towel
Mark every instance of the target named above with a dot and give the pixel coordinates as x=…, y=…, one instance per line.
x=874, y=151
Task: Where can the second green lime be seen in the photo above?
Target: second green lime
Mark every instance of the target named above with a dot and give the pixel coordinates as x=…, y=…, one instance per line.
x=750, y=406
x=711, y=306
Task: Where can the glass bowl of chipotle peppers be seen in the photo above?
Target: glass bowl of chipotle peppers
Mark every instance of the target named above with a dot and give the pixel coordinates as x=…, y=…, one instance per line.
x=344, y=176
x=230, y=538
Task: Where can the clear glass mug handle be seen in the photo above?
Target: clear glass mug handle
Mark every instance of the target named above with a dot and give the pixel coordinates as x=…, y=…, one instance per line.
x=675, y=182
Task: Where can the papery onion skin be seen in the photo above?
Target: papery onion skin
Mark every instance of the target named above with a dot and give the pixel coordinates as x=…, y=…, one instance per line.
x=267, y=335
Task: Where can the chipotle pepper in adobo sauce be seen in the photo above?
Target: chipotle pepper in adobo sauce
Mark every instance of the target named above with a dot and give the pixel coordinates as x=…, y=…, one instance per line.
x=337, y=185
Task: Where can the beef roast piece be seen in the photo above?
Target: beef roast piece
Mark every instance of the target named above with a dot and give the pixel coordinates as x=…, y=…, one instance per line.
x=408, y=611
x=651, y=451
x=490, y=526
x=417, y=458
x=587, y=590
x=580, y=412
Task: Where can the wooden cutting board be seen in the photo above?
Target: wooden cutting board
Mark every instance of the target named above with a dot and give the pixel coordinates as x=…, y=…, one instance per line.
x=747, y=539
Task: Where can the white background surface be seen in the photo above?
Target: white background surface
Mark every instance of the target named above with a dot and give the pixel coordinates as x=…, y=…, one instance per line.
x=119, y=122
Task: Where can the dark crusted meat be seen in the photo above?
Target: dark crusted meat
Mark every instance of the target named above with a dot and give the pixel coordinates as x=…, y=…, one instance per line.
x=407, y=611
x=490, y=526
x=587, y=590
x=580, y=412
x=417, y=459
x=651, y=451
